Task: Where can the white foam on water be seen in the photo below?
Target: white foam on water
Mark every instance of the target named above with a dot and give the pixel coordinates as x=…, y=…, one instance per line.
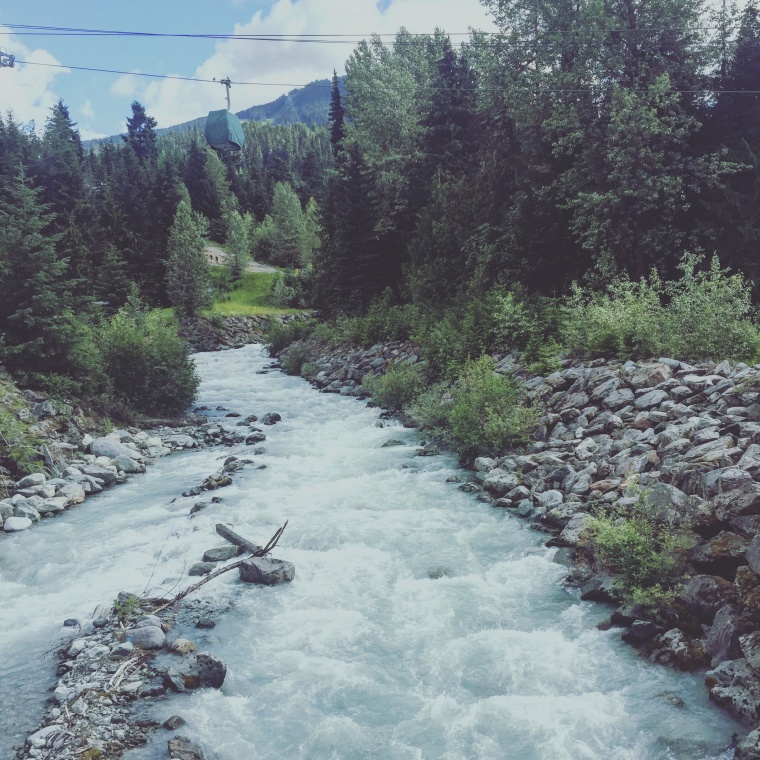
x=421, y=623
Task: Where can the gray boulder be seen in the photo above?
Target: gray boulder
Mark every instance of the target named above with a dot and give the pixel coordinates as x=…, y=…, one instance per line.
x=73, y=492
x=35, y=479
x=500, y=482
x=269, y=572
x=15, y=524
x=125, y=464
x=147, y=637
x=723, y=640
x=704, y=595
x=196, y=670
x=108, y=447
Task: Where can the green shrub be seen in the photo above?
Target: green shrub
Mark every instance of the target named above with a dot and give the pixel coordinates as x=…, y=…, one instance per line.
x=283, y=293
x=397, y=388
x=294, y=358
x=18, y=448
x=148, y=365
x=626, y=321
x=646, y=556
x=487, y=413
x=710, y=314
x=431, y=409
x=280, y=335
x=706, y=313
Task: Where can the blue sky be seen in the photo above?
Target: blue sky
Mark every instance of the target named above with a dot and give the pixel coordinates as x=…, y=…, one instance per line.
x=99, y=103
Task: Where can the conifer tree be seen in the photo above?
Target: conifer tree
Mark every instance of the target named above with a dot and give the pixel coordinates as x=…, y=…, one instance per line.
x=337, y=115
x=187, y=276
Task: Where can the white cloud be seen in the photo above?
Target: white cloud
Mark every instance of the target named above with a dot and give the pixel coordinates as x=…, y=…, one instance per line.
x=87, y=110
x=291, y=63
x=126, y=86
x=28, y=90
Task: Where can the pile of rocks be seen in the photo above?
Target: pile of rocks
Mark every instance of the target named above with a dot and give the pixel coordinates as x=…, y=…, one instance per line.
x=103, y=673
x=215, y=334
x=342, y=370
x=102, y=462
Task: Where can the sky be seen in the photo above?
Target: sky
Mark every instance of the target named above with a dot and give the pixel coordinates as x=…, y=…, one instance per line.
x=100, y=102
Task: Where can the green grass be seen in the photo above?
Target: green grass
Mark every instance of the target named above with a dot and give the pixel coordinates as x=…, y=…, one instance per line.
x=250, y=296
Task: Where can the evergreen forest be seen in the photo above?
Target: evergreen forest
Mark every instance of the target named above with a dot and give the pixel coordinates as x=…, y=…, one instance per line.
x=591, y=159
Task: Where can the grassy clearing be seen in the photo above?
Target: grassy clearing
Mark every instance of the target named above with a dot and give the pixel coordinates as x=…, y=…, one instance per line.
x=248, y=296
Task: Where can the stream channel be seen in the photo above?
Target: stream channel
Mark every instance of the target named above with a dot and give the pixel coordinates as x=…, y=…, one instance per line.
x=421, y=624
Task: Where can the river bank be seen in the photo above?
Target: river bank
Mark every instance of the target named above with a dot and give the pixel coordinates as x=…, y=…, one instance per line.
x=683, y=439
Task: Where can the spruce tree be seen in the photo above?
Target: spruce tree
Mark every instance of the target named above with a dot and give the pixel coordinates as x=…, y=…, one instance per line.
x=187, y=276
x=40, y=330
x=336, y=117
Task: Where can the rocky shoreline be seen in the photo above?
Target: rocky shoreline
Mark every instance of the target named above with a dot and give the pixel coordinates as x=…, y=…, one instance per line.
x=685, y=439
x=215, y=334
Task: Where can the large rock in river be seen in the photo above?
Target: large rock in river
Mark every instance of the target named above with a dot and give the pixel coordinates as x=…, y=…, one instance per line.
x=270, y=572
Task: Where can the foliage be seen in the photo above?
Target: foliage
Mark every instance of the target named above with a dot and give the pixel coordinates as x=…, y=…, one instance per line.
x=238, y=252
x=294, y=358
x=707, y=313
x=648, y=557
x=487, y=414
x=187, y=276
x=282, y=294
x=397, y=388
x=18, y=447
x=280, y=335
x=124, y=606
x=148, y=365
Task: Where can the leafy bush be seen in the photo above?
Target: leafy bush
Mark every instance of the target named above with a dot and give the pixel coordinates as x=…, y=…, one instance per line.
x=431, y=409
x=18, y=448
x=625, y=321
x=148, y=365
x=710, y=314
x=647, y=557
x=294, y=358
x=283, y=293
x=487, y=414
x=704, y=314
x=397, y=388
x=281, y=335
x=531, y=325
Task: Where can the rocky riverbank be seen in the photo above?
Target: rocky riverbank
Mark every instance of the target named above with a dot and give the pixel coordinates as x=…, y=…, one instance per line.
x=219, y=334
x=681, y=439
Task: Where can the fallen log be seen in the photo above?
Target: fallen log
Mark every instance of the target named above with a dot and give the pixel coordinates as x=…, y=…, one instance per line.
x=230, y=535
x=256, y=551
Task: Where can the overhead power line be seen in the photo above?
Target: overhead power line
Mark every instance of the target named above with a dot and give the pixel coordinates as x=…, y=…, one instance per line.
x=322, y=38
x=539, y=90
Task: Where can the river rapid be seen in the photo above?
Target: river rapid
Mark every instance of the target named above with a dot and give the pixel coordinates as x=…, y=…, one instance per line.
x=422, y=623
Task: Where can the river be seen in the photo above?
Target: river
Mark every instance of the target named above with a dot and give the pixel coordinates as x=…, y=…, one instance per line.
x=422, y=623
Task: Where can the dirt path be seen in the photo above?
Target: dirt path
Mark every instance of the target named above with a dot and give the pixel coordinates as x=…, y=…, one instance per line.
x=216, y=255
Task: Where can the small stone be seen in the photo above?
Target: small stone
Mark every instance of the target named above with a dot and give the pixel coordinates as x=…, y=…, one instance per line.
x=198, y=506
x=221, y=554
x=122, y=650
x=173, y=723
x=100, y=622
x=71, y=623
x=206, y=623
x=183, y=646
x=15, y=524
